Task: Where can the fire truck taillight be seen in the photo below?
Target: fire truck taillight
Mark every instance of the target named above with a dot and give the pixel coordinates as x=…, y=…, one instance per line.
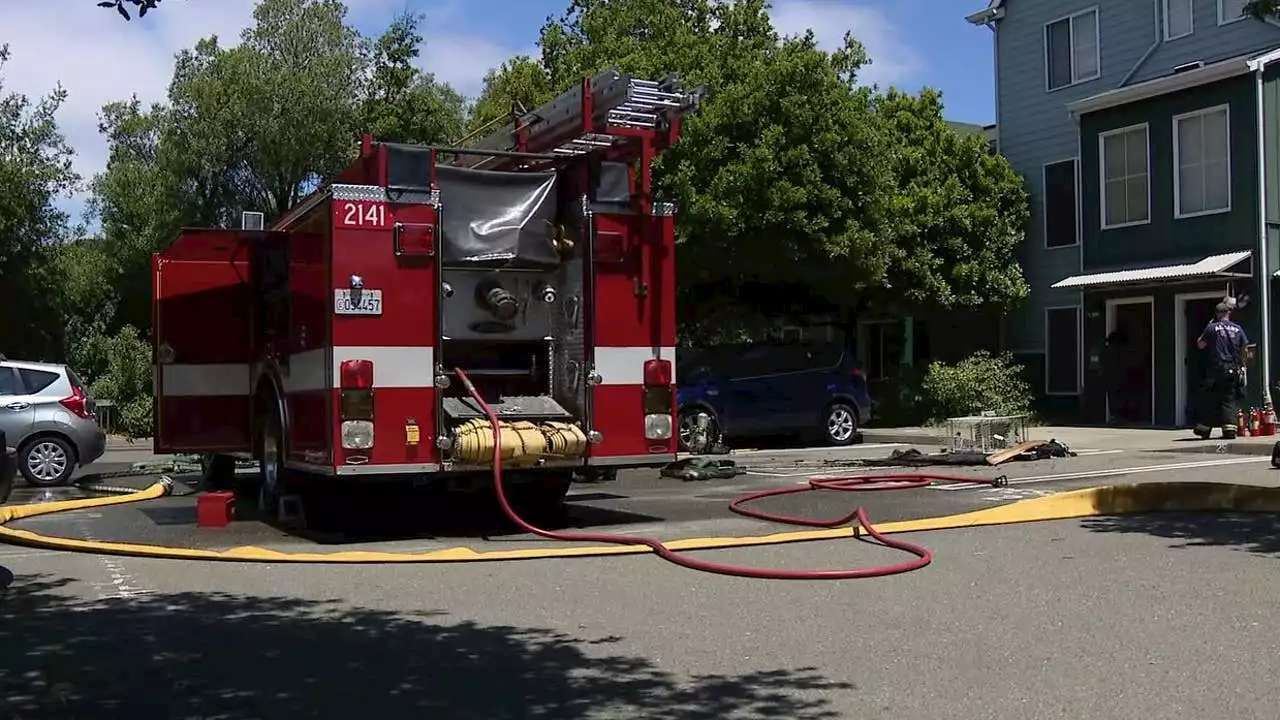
x=355, y=404
x=657, y=399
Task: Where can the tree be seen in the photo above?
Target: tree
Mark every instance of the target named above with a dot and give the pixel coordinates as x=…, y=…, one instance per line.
x=791, y=176
x=1262, y=9
x=35, y=170
x=403, y=103
x=956, y=213
x=520, y=82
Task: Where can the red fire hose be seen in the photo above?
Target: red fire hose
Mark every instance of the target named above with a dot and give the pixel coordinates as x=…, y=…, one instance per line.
x=847, y=483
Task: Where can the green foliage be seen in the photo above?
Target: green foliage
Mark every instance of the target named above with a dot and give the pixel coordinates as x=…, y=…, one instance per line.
x=121, y=367
x=981, y=382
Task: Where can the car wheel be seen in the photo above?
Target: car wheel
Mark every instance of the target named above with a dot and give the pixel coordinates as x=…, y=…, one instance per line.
x=841, y=425
x=46, y=461
x=689, y=441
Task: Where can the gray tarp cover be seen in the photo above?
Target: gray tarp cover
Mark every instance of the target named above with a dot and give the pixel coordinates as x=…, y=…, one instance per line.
x=489, y=216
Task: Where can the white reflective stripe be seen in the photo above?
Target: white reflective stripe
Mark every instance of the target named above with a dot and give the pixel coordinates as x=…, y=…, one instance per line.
x=393, y=367
x=308, y=371
x=625, y=365
x=212, y=380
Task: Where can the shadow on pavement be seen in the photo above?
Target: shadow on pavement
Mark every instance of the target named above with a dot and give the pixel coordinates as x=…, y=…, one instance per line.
x=190, y=655
x=1254, y=532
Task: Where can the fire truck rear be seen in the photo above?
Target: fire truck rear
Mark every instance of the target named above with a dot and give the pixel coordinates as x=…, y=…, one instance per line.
x=535, y=259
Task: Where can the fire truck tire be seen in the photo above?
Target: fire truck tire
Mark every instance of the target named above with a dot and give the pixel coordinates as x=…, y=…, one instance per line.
x=271, y=467
x=217, y=472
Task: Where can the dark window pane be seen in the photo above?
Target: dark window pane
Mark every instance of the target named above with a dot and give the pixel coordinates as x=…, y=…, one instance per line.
x=1062, y=350
x=1058, y=40
x=37, y=380
x=1060, y=204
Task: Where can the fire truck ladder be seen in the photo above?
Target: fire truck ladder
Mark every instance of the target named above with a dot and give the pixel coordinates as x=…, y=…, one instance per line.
x=617, y=101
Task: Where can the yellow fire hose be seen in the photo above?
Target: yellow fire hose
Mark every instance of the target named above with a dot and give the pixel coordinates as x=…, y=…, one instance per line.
x=1089, y=502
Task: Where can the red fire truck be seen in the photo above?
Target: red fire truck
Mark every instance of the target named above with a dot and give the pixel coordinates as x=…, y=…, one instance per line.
x=535, y=259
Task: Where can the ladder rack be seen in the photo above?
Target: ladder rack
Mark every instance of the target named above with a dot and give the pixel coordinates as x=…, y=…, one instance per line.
x=617, y=102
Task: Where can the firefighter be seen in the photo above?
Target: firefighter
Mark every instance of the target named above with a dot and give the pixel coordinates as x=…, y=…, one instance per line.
x=1225, y=342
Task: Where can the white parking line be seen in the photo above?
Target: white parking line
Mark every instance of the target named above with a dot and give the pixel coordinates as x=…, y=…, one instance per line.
x=955, y=487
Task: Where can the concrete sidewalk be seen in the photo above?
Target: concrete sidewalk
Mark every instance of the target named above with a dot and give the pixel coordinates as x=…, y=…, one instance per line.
x=1091, y=438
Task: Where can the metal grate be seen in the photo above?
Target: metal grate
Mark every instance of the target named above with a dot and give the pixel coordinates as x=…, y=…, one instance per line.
x=985, y=433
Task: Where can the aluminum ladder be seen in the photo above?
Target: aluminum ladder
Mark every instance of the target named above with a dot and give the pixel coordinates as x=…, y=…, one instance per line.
x=559, y=128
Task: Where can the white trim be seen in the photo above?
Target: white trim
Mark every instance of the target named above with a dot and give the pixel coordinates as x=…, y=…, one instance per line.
x=1176, y=82
x=625, y=365
x=1177, y=168
x=1150, y=301
x=1191, y=12
x=1079, y=309
x=204, y=380
x=1224, y=20
x=1102, y=174
x=1182, y=340
x=1044, y=201
x=411, y=366
x=308, y=371
x=1097, y=49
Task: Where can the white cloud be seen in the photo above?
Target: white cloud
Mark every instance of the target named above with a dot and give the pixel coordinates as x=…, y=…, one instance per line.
x=462, y=61
x=98, y=57
x=893, y=60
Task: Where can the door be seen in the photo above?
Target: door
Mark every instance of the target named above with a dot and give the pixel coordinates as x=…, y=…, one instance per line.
x=203, y=307
x=1129, y=344
x=16, y=411
x=1196, y=313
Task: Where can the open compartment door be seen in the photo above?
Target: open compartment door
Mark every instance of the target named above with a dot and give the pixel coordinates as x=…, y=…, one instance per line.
x=201, y=333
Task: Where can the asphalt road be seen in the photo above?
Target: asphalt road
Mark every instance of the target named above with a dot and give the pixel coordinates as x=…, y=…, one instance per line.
x=1119, y=618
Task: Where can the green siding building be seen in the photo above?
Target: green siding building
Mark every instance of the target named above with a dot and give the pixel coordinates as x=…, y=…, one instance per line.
x=1174, y=177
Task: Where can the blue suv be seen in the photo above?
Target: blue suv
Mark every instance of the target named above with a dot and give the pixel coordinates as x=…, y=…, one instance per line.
x=805, y=389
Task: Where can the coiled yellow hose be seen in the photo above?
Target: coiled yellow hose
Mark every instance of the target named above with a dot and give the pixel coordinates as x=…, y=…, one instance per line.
x=524, y=444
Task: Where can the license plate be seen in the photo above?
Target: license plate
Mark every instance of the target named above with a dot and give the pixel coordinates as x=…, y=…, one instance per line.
x=365, y=302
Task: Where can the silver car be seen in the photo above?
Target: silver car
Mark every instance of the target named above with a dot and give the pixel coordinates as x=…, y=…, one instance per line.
x=49, y=416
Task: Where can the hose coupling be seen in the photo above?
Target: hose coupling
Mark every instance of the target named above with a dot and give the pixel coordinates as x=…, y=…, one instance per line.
x=1001, y=481
x=167, y=483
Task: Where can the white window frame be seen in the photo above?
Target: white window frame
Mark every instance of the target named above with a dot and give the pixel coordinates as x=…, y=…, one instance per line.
x=1102, y=175
x=1177, y=164
x=1222, y=14
x=1079, y=350
x=1097, y=49
x=1191, y=12
x=1044, y=202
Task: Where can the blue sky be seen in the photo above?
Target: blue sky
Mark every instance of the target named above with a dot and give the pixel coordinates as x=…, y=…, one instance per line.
x=98, y=58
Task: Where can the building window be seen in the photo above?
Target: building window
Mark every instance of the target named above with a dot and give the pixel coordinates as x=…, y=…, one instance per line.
x=1178, y=20
x=1201, y=154
x=882, y=345
x=1126, y=198
x=1060, y=209
x=1071, y=49
x=1230, y=11
x=1062, y=351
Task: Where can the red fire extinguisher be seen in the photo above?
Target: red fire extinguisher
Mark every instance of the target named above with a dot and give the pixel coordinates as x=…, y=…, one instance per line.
x=1241, y=425
x=1255, y=422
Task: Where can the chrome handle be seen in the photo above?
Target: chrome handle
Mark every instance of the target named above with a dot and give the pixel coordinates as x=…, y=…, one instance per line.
x=18, y=406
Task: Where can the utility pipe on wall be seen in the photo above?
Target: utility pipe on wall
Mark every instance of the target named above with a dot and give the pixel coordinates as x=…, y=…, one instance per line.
x=1263, y=264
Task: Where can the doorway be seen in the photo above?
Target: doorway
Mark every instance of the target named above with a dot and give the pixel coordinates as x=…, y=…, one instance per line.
x=1129, y=367
x=1195, y=310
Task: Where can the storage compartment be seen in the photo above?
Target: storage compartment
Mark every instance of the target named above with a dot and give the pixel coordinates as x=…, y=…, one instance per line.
x=513, y=377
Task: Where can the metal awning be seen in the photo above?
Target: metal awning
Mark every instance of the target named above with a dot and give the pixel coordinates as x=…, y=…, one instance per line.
x=1227, y=265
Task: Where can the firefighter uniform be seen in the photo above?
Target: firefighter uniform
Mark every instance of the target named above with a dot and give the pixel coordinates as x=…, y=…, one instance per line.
x=1224, y=341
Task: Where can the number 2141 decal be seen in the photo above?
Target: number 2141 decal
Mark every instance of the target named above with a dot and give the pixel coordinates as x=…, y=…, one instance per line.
x=362, y=214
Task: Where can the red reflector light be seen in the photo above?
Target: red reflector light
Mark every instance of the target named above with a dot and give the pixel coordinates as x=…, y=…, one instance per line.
x=657, y=372
x=78, y=403
x=357, y=374
x=858, y=373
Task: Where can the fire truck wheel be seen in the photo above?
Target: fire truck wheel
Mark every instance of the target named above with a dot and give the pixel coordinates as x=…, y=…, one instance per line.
x=271, y=465
x=217, y=472
x=840, y=424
